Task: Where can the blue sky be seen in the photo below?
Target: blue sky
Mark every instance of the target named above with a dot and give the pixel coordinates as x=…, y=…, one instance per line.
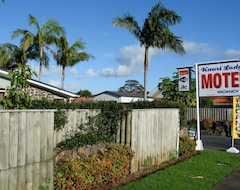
x=209, y=29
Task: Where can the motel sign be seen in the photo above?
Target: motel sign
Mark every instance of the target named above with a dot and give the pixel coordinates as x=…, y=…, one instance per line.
x=219, y=79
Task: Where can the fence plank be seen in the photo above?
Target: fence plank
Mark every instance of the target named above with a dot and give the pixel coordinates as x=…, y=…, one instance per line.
x=13, y=139
x=128, y=130
x=43, y=136
x=29, y=140
x=24, y=134
x=75, y=119
x=216, y=114
x=50, y=129
x=4, y=137
x=21, y=138
x=4, y=179
x=36, y=132
x=154, y=136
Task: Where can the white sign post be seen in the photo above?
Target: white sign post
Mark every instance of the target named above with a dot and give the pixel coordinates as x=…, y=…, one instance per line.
x=219, y=78
x=199, y=144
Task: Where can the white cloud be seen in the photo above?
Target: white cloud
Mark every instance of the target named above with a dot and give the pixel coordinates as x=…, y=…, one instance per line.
x=204, y=50
x=123, y=70
x=199, y=49
x=131, y=58
x=232, y=53
x=130, y=61
x=107, y=72
x=91, y=73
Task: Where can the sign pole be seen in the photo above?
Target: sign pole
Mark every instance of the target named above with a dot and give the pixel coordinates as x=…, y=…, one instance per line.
x=199, y=145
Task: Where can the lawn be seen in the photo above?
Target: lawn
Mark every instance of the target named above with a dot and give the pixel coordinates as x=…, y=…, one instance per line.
x=199, y=172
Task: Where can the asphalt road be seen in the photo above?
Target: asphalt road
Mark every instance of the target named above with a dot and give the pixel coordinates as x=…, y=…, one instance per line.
x=218, y=142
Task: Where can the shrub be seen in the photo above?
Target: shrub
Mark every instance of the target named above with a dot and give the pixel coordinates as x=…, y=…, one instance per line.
x=95, y=171
x=17, y=96
x=207, y=124
x=186, y=146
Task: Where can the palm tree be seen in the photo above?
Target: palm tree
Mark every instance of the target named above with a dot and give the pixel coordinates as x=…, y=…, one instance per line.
x=154, y=33
x=4, y=58
x=42, y=39
x=68, y=56
x=11, y=54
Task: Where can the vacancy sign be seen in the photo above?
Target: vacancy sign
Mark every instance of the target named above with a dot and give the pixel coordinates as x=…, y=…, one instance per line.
x=184, y=79
x=236, y=118
x=219, y=79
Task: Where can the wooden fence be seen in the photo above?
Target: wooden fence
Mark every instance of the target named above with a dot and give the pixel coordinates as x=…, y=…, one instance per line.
x=152, y=135
x=28, y=177
x=26, y=137
x=75, y=119
x=216, y=114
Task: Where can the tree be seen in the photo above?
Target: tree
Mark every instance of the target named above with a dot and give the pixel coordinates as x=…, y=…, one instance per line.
x=132, y=86
x=4, y=57
x=41, y=40
x=169, y=89
x=68, y=56
x=17, y=96
x=11, y=54
x=154, y=33
x=84, y=93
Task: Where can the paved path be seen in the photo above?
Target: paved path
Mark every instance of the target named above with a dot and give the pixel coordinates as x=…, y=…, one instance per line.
x=218, y=142
x=232, y=182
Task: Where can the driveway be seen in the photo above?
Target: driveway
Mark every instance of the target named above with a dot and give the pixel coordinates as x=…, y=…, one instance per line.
x=218, y=142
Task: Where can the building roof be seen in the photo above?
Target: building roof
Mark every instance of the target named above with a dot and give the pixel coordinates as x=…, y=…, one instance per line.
x=155, y=93
x=121, y=94
x=34, y=83
x=83, y=99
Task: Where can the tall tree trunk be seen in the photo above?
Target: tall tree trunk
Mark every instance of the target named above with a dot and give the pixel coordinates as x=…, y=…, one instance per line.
x=63, y=76
x=145, y=72
x=40, y=71
x=40, y=66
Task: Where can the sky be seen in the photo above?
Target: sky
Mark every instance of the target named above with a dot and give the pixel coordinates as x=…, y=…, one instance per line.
x=209, y=29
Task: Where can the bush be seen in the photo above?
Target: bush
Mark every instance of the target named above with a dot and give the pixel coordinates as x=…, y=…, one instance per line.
x=95, y=171
x=186, y=146
x=207, y=124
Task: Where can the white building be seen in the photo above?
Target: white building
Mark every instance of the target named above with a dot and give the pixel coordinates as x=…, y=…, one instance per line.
x=121, y=97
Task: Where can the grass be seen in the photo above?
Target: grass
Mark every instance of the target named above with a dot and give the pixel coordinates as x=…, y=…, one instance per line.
x=200, y=172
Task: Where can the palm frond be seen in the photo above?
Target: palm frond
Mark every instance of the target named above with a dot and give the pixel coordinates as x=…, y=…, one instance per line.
x=128, y=22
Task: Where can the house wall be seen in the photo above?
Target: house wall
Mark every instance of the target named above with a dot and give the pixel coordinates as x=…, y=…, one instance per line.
x=105, y=97
x=34, y=92
x=4, y=83
x=39, y=94
x=130, y=99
